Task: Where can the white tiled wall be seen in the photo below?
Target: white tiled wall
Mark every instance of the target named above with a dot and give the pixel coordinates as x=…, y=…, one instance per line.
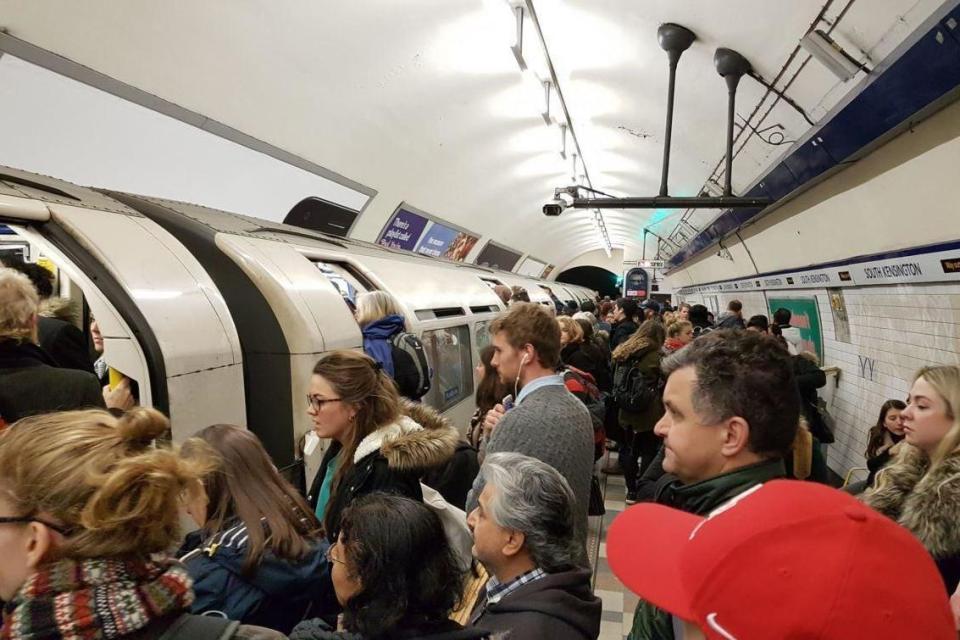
x=900, y=328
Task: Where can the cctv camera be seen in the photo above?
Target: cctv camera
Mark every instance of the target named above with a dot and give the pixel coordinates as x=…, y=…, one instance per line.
x=554, y=208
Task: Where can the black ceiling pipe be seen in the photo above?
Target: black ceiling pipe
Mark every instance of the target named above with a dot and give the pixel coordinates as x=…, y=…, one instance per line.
x=657, y=202
x=731, y=66
x=673, y=39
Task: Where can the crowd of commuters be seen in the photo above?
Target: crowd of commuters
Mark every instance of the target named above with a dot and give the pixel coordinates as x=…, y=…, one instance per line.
x=410, y=530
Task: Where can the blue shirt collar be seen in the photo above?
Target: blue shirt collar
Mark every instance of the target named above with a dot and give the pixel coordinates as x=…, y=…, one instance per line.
x=533, y=385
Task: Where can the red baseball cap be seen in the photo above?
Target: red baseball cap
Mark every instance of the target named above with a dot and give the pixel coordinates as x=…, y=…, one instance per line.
x=786, y=559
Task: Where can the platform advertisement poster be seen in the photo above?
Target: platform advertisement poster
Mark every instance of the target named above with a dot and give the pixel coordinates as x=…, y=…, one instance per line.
x=440, y=241
x=546, y=272
x=636, y=283
x=805, y=315
x=403, y=231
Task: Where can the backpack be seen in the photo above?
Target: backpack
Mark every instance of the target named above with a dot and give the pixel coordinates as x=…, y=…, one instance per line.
x=411, y=369
x=581, y=384
x=632, y=389
x=194, y=627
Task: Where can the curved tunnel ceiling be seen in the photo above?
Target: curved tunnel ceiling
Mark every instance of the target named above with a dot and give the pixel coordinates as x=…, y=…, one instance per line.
x=424, y=102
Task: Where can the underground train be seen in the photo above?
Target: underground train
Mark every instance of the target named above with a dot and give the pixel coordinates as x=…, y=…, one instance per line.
x=219, y=317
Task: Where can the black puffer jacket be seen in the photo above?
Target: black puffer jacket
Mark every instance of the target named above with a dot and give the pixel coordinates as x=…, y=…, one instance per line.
x=621, y=331
x=391, y=459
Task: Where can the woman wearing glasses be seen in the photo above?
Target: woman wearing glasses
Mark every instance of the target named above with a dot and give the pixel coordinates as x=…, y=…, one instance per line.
x=374, y=446
x=88, y=509
x=394, y=574
x=259, y=555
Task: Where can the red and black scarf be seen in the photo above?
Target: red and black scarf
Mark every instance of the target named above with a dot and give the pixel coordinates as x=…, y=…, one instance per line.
x=96, y=599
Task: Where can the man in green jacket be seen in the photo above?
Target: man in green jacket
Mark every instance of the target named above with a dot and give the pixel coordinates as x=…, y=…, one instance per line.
x=731, y=414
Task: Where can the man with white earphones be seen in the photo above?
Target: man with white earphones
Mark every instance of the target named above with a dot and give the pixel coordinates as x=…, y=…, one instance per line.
x=540, y=419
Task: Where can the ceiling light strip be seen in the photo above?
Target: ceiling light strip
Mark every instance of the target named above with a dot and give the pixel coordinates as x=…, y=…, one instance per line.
x=566, y=115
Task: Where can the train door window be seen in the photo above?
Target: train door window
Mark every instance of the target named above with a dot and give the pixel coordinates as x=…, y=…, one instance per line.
x=449, y=353
x=491, y=282
x=348, y=282
x=482, y=331
x=549, y=292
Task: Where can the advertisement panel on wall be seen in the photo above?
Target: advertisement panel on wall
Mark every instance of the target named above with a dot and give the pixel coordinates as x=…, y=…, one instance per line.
x=402, y=231
x=636, y=283
x=548, y=271
x=531, y=267
x=805, y=315
x=498, y=257
x=441, y=241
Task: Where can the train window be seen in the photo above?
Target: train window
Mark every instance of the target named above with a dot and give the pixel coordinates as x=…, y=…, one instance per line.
x=483, y=334
x=347, y=282
x=449, y=353
x=491, y=282
x=557, y=305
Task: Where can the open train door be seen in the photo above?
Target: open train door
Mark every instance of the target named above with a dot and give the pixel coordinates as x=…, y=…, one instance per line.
x=165, y=325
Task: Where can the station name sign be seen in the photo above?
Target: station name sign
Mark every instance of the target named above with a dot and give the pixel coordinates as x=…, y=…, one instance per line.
x=645, y=264
x=938, y=266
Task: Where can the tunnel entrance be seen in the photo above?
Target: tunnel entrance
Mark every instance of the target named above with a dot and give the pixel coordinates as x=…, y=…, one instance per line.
x=597, y=278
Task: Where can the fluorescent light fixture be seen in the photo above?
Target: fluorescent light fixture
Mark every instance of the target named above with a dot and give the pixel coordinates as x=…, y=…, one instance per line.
x=547, y=86
x=517, y=47
x=831, y=55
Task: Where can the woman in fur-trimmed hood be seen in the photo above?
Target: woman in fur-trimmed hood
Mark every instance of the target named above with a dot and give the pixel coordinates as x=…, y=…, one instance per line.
x=920, y=489
x=376, y=446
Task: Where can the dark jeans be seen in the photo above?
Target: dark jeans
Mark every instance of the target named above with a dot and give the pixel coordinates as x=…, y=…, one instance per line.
x=642, y=445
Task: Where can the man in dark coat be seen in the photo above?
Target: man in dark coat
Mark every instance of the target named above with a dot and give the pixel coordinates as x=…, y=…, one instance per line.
x=524, y=535
x=625, y=321
x=58, y=337
x=30, y=381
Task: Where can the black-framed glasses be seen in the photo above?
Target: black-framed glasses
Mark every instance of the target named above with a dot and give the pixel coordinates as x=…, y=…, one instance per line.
x=317, y=403
x=25, y=519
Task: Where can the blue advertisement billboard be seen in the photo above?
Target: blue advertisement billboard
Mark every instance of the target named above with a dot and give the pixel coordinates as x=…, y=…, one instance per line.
x=436, y=240
x=440, y=241
x=403, y=230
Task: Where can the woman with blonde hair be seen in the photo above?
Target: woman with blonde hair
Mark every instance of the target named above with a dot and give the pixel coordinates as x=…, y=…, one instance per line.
x=376, y=446
x=637, y=390
x=679, y=335
x=89, y=509
x=381, y=320
x=920, y=489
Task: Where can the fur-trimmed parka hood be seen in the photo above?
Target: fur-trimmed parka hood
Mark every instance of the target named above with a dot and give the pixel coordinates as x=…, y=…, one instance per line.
x=421, y=439
x=928, y=504
x=60, y=308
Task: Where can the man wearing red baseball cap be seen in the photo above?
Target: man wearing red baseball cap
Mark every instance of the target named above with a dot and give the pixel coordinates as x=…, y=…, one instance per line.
x=785, y=559
x=732, y=411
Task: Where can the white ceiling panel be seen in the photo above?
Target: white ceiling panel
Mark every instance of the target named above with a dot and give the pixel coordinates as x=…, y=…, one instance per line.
x=423, y=101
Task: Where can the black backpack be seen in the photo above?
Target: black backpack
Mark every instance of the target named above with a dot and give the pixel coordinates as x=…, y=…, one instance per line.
x=194, y=627
x=410, y=366
x=633, y=391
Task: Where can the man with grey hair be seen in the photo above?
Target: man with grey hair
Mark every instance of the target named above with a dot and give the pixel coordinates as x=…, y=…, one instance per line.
x=731, y=414
x=524, y=535
x=30, y=381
